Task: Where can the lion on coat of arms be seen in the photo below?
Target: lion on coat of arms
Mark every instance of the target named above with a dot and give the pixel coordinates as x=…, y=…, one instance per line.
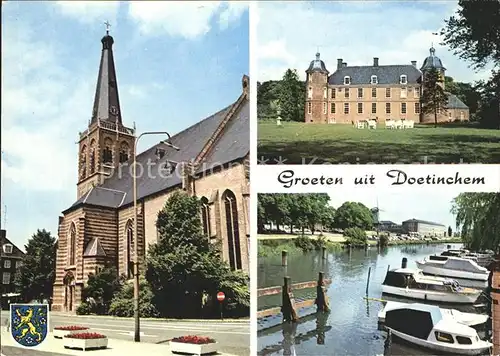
x=29, y=324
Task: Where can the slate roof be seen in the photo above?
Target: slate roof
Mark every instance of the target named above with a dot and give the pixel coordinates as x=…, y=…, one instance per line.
x=455, y=103
x=423, y=222
x=94, y=248
x=386, y=74
x=317, y=65
x=234, y=144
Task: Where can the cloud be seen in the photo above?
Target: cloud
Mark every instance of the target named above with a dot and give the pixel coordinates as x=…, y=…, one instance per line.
x=88, y=12
x=187, y=19
x=289, y=34
x=41, y=102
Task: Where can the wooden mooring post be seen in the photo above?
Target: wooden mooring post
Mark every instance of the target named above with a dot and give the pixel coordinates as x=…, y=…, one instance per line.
x=368, y=280
x=323, y=254
x=289, y=305
x=284, y=257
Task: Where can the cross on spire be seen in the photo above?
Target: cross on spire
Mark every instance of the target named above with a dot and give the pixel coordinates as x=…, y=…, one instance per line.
x=108, y=25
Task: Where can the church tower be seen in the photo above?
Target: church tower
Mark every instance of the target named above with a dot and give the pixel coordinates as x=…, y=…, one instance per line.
x=106, y=142
x=316, y=106
x=433, y=62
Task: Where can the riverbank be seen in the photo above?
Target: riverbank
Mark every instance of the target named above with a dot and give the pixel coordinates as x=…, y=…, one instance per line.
x=274, y=243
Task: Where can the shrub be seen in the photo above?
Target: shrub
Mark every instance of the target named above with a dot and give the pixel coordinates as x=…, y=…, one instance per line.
x=383, y=240
x=84, y=309
x=355, y=237
x=304, y=243
x=122, y=303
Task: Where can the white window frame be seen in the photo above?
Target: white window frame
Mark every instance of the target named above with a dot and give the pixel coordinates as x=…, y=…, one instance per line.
x=346, y=106
x=347, y=80
x=403, y=79
x=404, y=93
x=390, y=108
x=7, y=264
x=7, y=248
x=333, y=93
x=416, y=92
x=333, y=108
x=390, y=92
x=325, y=93
x=374, y=90
x=360, y=106
x=360, y=90
x=374, y=79
x=6, y=278
x=374, y=105
x=417, y=105
x=309, y=108
x=406, y=108
x=325, y=108
x=347, y=93
x=310, y=92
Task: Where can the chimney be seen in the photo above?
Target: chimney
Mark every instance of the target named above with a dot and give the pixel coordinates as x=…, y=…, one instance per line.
x=2, y=234
x=375, y=61
x=339, y=63
x=344, y=64
x=414, y=63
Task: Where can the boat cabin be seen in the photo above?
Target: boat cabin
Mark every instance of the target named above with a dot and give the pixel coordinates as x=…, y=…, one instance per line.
x=456, y=263
x=415, y=279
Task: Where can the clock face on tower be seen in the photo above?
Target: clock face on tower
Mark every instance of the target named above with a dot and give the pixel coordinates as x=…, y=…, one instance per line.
x=113, y=110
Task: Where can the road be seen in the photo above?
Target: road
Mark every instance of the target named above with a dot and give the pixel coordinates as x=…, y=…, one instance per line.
x=232, y=336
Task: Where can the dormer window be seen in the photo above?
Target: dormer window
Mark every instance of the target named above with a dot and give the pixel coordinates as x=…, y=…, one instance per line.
x=374, y=79
x=310, y=92
x=7, y=248
x=347, y=80
x=160, y=152
x=403, y=79
x=168, y=168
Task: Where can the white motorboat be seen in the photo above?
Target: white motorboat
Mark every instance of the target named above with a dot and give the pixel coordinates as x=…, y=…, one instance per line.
x=412, y=283
x=425, y=325
x=453, y=267
x=469, y=319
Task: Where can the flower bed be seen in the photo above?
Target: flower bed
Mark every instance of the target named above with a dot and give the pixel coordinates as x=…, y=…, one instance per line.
x=194, y=345
x=61, y=331
x=85, y=341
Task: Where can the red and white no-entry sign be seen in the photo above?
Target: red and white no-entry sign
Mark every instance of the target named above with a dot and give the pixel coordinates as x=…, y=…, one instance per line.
x=221, y=296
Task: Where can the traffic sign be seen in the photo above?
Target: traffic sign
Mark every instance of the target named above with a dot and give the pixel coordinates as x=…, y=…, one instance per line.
x=221, y=296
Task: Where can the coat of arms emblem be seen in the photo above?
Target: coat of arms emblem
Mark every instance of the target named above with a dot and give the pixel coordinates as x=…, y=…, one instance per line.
x=29, y=323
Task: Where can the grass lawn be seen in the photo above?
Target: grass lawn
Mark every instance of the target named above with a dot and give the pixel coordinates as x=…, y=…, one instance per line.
x=300, y=143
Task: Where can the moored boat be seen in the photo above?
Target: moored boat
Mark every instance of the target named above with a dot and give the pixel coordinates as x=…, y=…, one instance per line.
x=412, y=283
x=424, y=325
x=469, y=319
x=453, y=267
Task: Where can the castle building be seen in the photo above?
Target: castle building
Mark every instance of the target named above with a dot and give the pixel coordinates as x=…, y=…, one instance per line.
x=211, y=163
x=382, y=92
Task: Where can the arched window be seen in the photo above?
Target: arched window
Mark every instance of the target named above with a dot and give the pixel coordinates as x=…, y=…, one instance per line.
x=205, y=217
x=107, y=153
x=92, y=156
x=233, y=231
x=72, y=244
x=124, y=150
x=83, y=162
x=130, y=248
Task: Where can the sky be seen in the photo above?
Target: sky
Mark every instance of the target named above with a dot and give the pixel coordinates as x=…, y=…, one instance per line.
x=432, y=206
x=290, y=34
x=176, y=64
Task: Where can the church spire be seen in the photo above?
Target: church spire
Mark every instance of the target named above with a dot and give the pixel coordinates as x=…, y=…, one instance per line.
x=106, y=102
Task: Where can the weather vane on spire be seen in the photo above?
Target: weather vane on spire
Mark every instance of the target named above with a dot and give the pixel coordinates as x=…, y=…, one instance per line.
x=108, y=25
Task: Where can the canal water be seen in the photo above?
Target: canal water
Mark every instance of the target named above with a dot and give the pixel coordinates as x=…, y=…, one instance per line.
x=351, y=328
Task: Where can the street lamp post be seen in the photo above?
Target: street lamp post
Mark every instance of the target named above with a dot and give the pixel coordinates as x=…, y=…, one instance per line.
x=137, y=334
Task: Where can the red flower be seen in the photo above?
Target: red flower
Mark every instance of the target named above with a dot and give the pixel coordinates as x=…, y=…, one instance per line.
x=86, y=336
x=71, y=327
x=193, y=339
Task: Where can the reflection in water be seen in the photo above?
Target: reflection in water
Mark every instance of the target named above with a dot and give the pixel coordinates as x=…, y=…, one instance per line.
x=351, y=327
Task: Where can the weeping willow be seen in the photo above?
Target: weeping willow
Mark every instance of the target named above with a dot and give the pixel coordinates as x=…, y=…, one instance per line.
x=478, y=219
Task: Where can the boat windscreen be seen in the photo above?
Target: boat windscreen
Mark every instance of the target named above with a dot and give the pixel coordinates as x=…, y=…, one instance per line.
x=438, y=258
x=394, y=279
x=416, y=323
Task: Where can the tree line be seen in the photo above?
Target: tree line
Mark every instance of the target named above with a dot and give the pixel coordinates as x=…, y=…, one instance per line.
x=182, y=274
x=473, y=33
x=310, y=211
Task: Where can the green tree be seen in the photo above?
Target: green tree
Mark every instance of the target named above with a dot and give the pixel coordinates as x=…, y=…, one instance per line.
x=450, y=232
x=473, y=33
x=183, y=267
x=477, y=219
x=469, y=94
x=290, y=97
x=434, y=100
x=267, y=99
x=99, y=291
x=35, y=278
x=122, y=303
x=353, y=214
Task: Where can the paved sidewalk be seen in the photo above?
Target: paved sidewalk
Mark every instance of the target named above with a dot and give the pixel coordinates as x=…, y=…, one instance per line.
x=53, y=346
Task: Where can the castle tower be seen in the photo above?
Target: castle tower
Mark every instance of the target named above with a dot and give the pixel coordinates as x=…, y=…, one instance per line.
x=106, y=143
x=433, y=62
x=316, y=105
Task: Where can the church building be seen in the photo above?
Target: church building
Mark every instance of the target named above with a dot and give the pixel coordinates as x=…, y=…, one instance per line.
x=382, y=92
x=208, y=160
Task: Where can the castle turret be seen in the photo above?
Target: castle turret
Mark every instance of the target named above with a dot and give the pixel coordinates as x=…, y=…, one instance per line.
x=433, y=62
x=316, y=104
